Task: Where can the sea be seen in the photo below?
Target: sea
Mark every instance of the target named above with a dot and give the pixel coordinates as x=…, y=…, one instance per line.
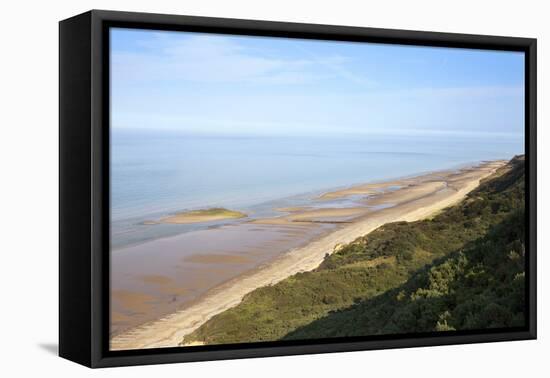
x=157, y=173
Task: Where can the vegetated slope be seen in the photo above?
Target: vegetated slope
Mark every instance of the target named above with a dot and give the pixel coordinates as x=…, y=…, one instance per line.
x=463, y=269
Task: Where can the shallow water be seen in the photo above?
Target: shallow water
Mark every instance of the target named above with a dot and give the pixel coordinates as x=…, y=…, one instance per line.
x=156, y=174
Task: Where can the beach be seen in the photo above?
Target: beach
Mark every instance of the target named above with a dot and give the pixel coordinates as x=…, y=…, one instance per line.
x=296, y=240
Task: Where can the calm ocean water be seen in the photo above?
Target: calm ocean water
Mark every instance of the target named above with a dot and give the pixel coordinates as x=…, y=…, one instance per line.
x=158, y=173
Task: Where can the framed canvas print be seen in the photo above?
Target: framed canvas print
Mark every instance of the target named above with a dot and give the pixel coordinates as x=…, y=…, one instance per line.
x=235, y=188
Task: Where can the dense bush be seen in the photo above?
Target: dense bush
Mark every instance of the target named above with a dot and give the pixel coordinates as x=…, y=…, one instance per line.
x=479, y=286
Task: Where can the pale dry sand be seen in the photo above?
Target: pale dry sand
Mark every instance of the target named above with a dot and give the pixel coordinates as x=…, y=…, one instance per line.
x=429, y=199
x=378, y=188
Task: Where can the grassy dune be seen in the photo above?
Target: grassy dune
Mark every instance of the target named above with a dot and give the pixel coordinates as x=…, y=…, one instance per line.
x=462, y=269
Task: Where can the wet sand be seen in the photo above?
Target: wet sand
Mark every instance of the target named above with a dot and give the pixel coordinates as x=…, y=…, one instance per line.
x=399, y=200
x=159, y=277
x=336, y=215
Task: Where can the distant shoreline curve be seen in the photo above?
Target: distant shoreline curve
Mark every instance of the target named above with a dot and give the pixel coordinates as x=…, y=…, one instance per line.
x=170, y=330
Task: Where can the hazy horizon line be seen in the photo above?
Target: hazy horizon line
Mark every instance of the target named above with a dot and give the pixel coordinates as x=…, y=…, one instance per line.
x=325, y=133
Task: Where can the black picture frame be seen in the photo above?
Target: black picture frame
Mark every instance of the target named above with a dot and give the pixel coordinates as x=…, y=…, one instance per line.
x=84, y=186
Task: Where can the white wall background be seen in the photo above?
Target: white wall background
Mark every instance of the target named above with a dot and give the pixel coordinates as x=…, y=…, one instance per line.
x=29, y=188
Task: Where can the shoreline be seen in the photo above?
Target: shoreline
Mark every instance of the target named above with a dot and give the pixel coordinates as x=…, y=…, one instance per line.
x=430, y=198
x=250, y=210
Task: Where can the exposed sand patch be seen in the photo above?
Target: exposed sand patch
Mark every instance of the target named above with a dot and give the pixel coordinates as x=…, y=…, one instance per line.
x=364, y=189
x=282, y=221
x=291, y=209
x=200, y=216
x=317, y=215
x=408, y=193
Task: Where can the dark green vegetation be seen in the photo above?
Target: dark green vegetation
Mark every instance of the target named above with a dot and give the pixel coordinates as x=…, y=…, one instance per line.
x=463, y=269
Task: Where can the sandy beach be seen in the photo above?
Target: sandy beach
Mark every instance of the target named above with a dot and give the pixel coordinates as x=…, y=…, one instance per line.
x=407, y=199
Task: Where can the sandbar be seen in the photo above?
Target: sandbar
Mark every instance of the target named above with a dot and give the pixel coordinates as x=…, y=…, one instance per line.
x=200, y=216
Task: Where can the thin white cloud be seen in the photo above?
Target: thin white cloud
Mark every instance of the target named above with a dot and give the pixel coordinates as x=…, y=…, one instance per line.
x=219, y=59
x=337, y=65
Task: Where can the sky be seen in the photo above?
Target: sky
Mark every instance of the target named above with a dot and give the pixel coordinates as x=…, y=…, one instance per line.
x=222, y=84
